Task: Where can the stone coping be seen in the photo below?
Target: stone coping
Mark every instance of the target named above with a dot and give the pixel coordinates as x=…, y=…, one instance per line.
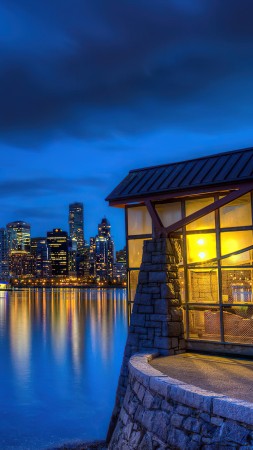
x=171, y=388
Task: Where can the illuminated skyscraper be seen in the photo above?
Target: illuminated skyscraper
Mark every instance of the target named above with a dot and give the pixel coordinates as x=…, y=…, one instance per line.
x=4, y=262
x=76, y=229
x=57, y=241
x=19, y=236
x=104, y=251
x=40, y=252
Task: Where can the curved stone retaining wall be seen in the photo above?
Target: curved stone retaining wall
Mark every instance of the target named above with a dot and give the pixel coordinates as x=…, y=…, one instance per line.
x=160, y=412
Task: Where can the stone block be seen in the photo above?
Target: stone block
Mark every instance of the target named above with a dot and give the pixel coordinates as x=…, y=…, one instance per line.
x=146, y=257
x=147, y=419
x=143, y=277
x=174, y=329
x=151, y=333
x=159, y=259
x=151, y=289
x=146, y=343
x=159, y=317
x=147, y=400
x=158, y=277
x=160, y=425
x=174, y=342
x=135, y=439
x=152, y=324
x=176, y=420
x=192, y=424
x=165, y=406
x=184, y=410
x=140, y=330
x=161, y=306
x=191, y=396
x=133, y=339
x=128, y=430
x=233, y=409
x=205, y=417
x=208, y=431
x=137, y=320
x=149, y=309
x=217, y=421
x=159, y=385
x=161, y=342
x=176, y=314
x=138, y=415
x=233, y=432
x=141, y=392
x=123, y=416
x=177, y=439
x=145, y=444
x=135, y=386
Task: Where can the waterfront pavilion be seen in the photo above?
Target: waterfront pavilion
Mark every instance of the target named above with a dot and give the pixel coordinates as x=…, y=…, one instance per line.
x=205, y=206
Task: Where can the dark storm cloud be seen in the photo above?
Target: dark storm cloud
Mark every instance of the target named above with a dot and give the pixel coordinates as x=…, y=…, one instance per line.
x=94, y=68
x=46, y=186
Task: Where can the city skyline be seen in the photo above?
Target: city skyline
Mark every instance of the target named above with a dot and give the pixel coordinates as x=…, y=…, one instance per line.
x=91, y=90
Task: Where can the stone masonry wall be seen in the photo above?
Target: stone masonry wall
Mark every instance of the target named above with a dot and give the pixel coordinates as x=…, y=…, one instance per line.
x=156, y=323
x=159, y=412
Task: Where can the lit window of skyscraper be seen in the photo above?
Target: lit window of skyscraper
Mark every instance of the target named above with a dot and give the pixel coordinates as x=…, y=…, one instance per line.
x=76, y=228
x=57, y=241
x=4, y=263
x=19, y=236
x=104, y=251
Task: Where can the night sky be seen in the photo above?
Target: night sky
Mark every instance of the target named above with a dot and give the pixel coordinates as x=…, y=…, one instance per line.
x=90, y=89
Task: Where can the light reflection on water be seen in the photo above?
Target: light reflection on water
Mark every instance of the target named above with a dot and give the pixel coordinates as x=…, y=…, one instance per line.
x=60, y=356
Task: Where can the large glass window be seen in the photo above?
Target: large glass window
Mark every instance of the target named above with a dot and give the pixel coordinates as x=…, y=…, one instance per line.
x=203, y=285
x=236, y=213
x=216, y=274
x=238, y=324
x=201, y=247
x=169, y=213
x=205, y=222
x=237, y=285
x=135, y=250
x=204, y=323
x=133, y=281
x=233, y=241
x=139, y=221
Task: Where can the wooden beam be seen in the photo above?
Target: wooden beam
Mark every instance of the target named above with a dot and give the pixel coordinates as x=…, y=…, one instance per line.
x=158, y=226
x=210, y=208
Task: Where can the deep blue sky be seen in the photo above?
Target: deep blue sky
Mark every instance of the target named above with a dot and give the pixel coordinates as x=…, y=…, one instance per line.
x=90, y=89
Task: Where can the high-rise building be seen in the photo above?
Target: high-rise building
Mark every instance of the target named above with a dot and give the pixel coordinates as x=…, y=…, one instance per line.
x=57, y=241
x=40, y=251
x=4, y=261
x=120, y=266
x=22, y=263
x=92, y=257
x=76, y=228
x=19, y=236
x=104, y=251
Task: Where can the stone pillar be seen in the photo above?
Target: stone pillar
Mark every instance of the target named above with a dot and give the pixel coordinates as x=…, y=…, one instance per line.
x=156, y=323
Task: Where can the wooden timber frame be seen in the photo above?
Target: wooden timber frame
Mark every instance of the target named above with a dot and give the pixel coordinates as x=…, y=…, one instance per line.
x=161, y=231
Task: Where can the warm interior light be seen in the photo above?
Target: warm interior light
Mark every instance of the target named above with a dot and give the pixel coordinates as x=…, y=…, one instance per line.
x=202, y=255
x=200, y=241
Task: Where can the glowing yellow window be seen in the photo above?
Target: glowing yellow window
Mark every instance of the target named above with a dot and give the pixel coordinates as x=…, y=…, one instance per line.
x=201, y=247
x=205, y=222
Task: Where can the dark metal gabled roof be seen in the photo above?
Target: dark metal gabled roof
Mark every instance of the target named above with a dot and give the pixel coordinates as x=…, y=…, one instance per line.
x=214, y=170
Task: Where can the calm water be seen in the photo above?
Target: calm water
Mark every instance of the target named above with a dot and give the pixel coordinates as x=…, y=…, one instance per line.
x=60, y=356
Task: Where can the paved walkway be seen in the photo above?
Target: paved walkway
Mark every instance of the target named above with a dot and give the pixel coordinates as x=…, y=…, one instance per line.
x=224, y=375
